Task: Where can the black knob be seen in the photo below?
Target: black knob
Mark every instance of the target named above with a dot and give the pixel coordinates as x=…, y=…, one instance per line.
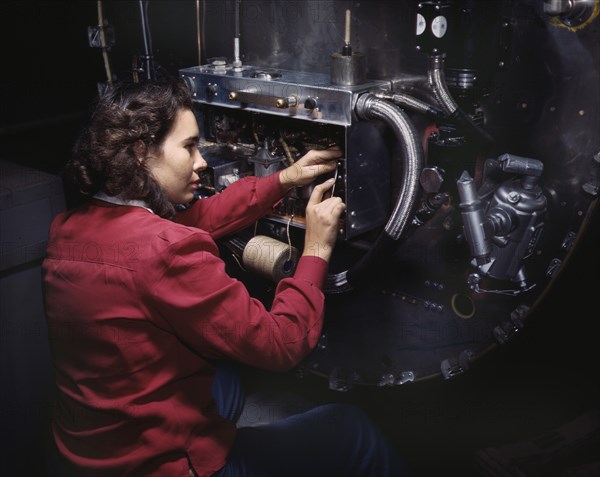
x=212, y=89
x=310, y=103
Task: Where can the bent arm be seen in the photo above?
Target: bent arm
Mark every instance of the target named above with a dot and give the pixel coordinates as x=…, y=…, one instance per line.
x=237, y=207
x=191, y=295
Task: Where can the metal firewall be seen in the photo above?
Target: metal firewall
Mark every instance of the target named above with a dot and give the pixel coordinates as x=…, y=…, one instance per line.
x=502, y=98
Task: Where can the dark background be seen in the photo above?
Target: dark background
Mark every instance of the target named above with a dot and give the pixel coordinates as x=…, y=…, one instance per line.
x=544, y=378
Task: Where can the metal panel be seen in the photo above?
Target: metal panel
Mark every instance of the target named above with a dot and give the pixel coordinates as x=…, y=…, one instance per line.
x=217, y=86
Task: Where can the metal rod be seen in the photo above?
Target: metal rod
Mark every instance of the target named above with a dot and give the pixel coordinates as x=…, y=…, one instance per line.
x=237, y=63
x=147, y=39
x=103, y=42
x=198, y=32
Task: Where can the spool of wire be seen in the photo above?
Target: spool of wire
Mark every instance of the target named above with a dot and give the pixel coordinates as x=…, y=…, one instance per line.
x=270, y=258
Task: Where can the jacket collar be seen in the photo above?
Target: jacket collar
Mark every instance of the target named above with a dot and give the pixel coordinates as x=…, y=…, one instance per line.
x=115, y=199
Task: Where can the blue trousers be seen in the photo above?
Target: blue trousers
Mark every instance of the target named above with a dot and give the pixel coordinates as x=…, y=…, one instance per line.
x=331, y=440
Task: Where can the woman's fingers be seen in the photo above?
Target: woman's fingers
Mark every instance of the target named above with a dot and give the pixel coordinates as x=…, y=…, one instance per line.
x=317, y=194
x=318, y=156
x=333, y=206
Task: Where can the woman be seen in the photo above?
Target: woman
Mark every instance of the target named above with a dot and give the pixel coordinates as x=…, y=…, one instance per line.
x=140, y=308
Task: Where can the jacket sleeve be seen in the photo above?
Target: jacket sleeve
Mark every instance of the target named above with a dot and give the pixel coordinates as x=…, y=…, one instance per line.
x=238, y=206
x=190, y=295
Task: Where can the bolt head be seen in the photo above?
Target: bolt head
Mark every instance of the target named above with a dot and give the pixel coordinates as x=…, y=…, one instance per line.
x=513, y=197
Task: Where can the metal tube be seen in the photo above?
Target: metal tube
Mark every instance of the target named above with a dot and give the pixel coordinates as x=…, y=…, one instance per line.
x=471, y=208
x=410, y=102
x=103, y=42
x=370, y=107
x=199, y=31
x=147, y=39
x=237, y=62
x=437, y=82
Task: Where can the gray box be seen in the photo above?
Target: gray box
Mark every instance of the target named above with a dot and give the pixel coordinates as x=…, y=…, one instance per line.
x=29, y=200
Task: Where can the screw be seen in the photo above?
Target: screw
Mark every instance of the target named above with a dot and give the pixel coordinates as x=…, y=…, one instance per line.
x=514, y=197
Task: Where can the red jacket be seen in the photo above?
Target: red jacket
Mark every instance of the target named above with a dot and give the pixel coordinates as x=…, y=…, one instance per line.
x=137, y=308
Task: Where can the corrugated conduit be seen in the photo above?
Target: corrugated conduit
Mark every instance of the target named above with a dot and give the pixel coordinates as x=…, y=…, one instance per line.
x=370, y=107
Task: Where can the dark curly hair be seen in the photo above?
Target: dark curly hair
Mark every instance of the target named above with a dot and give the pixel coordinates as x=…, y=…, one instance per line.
x=128, y=120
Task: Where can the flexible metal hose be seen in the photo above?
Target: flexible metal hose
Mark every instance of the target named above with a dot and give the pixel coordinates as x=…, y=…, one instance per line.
x=370, y=107
x=456, y=114
x=437, y=81
x=414, y=104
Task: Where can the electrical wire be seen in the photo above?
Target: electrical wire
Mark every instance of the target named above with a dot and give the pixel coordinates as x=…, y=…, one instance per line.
x=289, y=239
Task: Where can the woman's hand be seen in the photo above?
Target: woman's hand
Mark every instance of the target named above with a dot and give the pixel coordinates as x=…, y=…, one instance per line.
x=322, y=222
x=306, y=169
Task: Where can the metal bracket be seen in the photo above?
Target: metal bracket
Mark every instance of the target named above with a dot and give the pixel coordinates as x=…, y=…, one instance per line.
x=453, y=367
x=95, y=39
x=508, y=329
x=391, y=380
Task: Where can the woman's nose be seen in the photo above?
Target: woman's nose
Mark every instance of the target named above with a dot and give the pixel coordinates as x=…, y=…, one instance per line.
x=199, y=162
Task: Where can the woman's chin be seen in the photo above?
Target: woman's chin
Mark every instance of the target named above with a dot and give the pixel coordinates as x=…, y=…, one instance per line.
x=187, y=198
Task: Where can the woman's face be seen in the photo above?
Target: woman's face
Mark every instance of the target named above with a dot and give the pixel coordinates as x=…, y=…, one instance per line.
x=176, y=164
